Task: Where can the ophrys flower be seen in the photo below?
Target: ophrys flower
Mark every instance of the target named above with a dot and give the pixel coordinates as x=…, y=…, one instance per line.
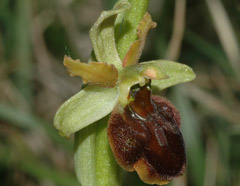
x=143, y=129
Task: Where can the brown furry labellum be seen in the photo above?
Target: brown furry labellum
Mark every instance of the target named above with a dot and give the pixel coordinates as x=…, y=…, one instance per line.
x=146, y=137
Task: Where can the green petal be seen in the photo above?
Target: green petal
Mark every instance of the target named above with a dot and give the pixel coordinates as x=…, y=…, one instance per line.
x=94, y=73
x=84, y=108
x=103, y=38
x=177, y=73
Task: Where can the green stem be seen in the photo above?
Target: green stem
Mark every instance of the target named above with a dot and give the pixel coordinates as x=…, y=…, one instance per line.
x=107, y=170
x=93, y=159
x=132, y=18
x=84, y=155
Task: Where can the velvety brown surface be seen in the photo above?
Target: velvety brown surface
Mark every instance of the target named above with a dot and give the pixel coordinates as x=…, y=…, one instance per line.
x=149, y=129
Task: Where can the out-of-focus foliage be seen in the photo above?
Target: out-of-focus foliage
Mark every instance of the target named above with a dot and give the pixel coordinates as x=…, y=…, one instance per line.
x=34, y=37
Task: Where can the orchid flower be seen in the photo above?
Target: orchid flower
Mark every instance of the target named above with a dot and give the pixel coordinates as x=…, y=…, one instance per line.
x=143, y=130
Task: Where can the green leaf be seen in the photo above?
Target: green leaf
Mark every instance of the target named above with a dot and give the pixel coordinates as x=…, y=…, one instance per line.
x=103, y=38
x=177, y=73
x=94, y=73
x=137, y=74
x=84, y=108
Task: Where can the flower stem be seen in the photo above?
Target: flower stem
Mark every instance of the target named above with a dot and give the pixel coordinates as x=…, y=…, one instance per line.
x=84, y=155
x=107, y=170
x=93, y=159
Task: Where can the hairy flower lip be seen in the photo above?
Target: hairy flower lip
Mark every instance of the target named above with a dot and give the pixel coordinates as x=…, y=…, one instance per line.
x=146, y=138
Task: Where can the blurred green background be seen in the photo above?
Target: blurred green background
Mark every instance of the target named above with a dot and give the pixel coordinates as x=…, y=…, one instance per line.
x=34, y=37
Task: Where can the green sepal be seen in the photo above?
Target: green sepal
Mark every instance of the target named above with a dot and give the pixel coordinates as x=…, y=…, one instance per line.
x=84, y=108
x=177, y=73
x=137, y=74
x=102, y=35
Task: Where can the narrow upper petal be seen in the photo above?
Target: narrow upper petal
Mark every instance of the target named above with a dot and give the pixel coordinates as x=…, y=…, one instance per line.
x=135, y=50
x=94, y=73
